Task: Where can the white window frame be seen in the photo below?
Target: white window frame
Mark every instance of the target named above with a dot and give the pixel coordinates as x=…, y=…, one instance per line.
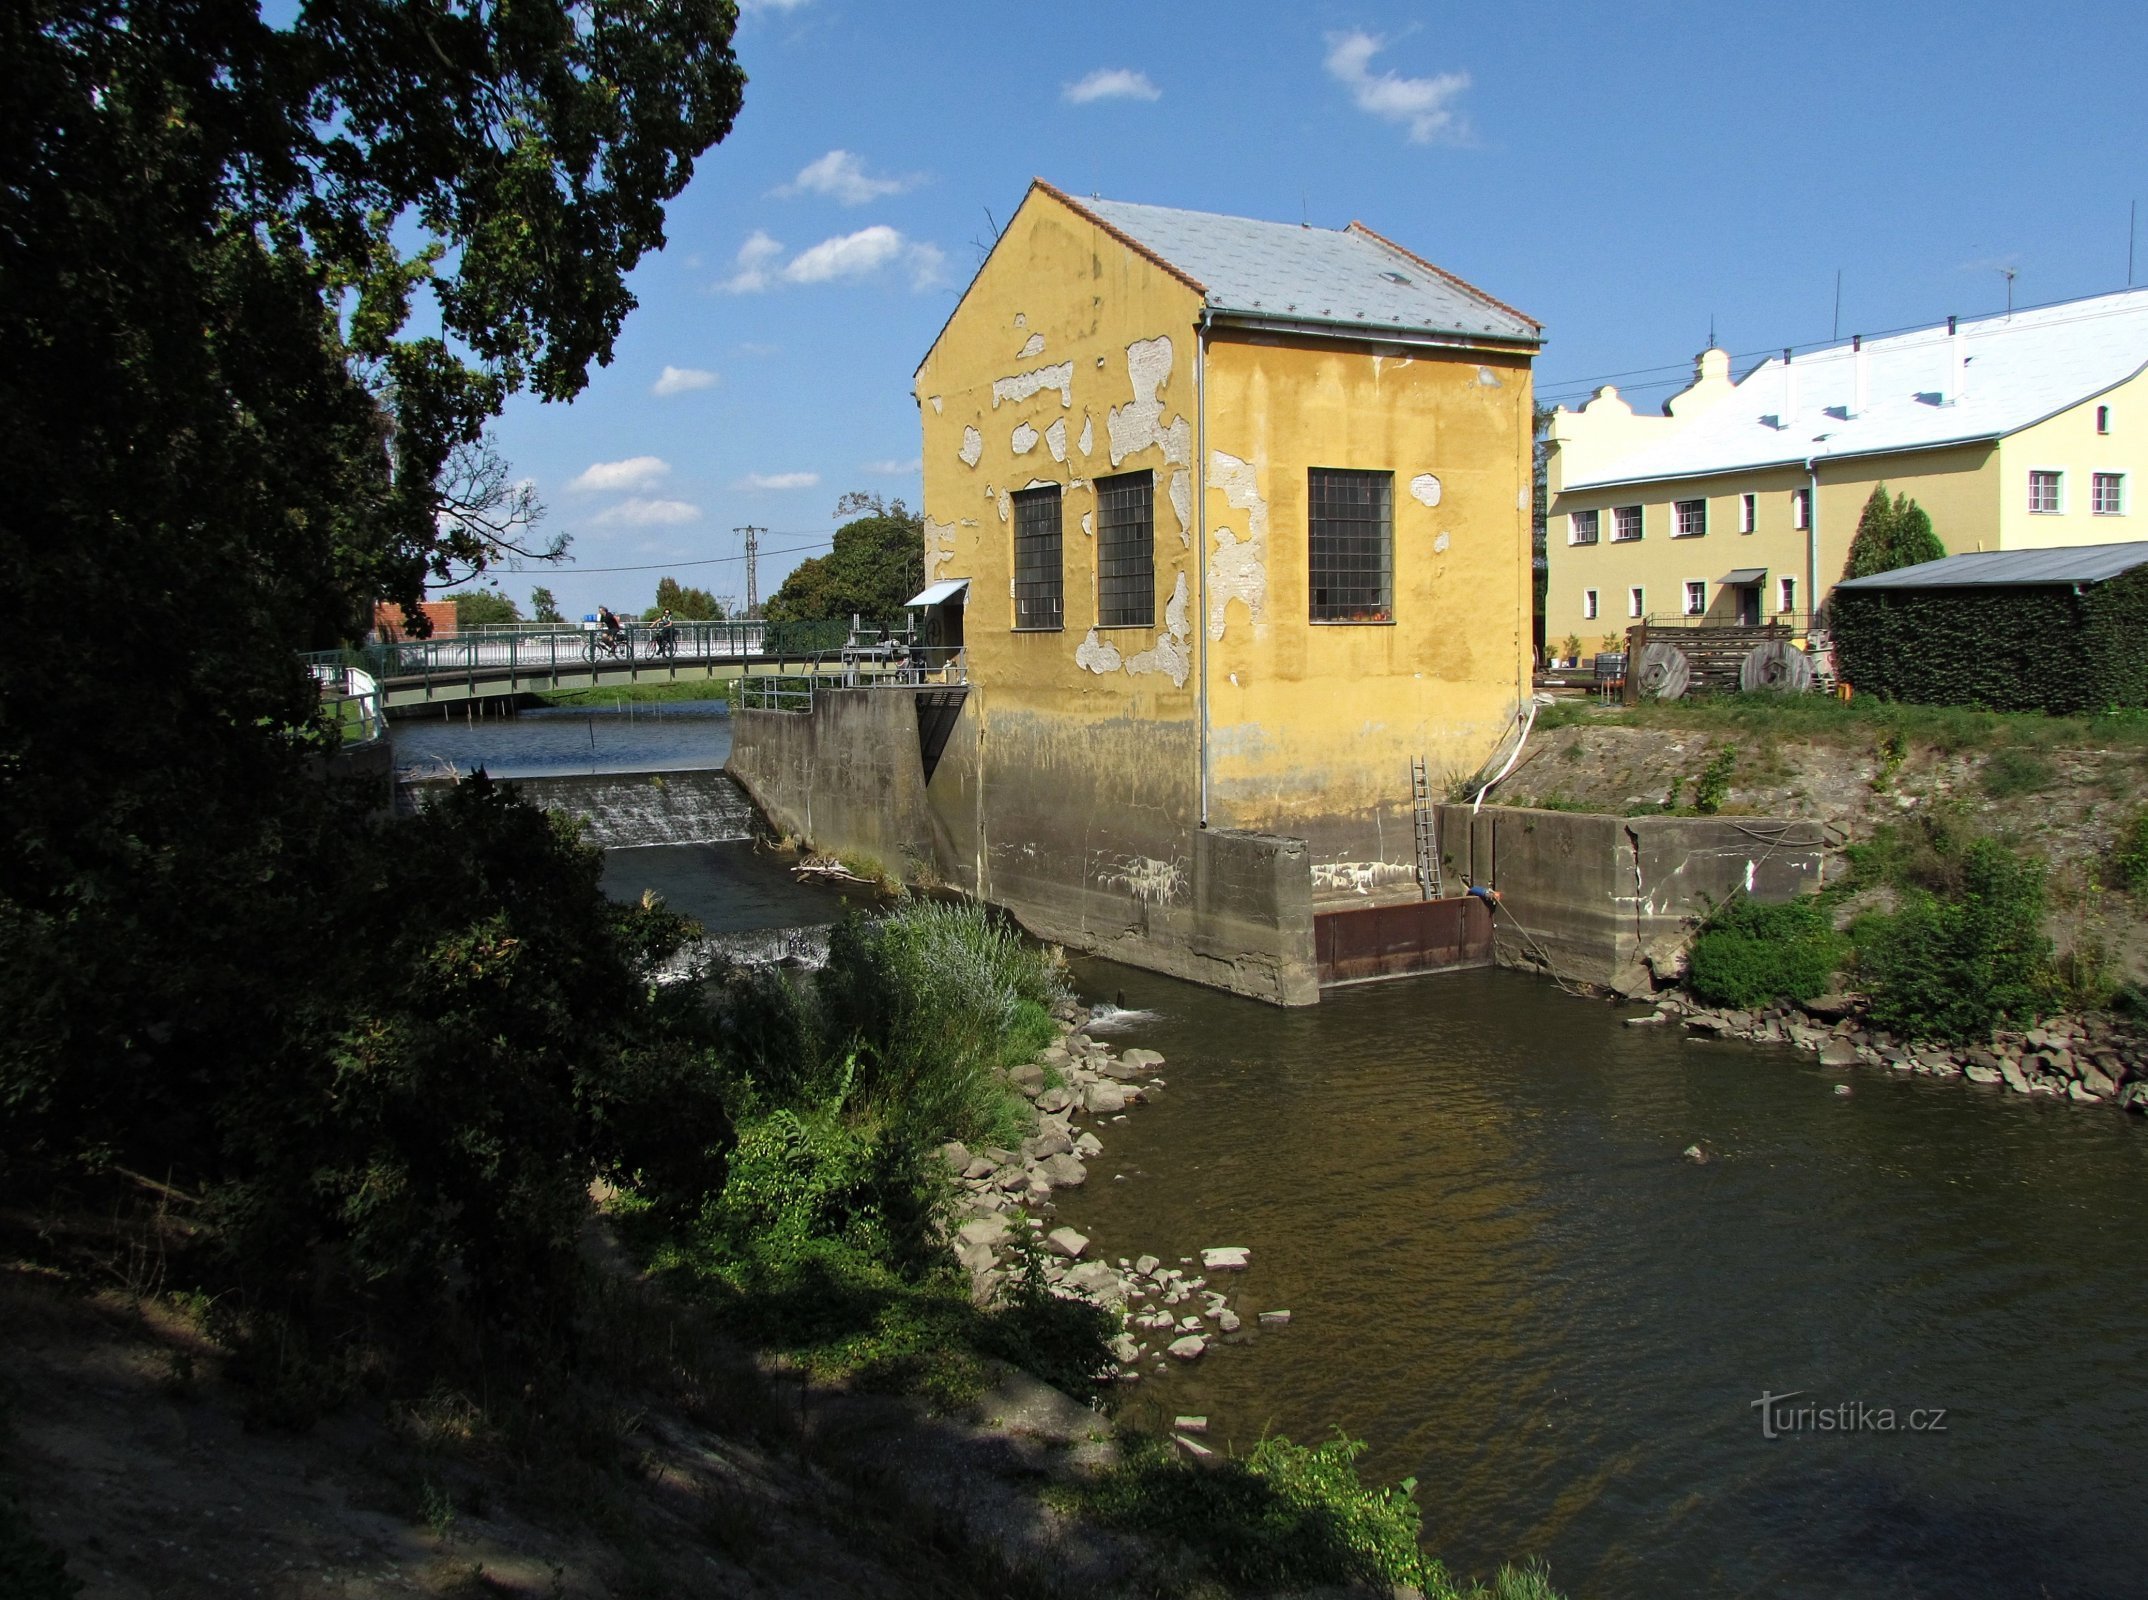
x=1636, y=602
x=1679, y=509
x=1588, y=605
x=2057, y=508
x=1574, y=527
x=2117, y=481
x=1786, y=596
x=1686, y=598
x=1618, y=520
x=1800, y=509
x=1748, y=512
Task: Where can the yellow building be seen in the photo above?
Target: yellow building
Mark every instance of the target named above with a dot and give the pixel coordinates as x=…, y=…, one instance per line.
x=1738, y=502
x=1236, y=518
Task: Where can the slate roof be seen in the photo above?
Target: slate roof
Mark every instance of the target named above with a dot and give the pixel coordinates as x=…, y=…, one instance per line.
x=2081, y=563
x=2020, y=369
x=1327, y=277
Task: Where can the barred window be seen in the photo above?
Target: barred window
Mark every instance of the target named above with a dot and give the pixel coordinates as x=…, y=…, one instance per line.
x=1126, y=551
x=1689, y=519
x=1039, y=576
x=1625, y=524
x=1350, y=541
x=1584, y=527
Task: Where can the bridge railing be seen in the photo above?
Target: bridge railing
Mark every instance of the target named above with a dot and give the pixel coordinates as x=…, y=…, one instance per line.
x=352, y=697
x=548, y=647
x=795, y=691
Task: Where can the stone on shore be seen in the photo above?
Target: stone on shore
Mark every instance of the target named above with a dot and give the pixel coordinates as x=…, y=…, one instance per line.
x=1147, y=1059
x=1841, y=1053
x=1028, y=1079
x=1063, y=1172
x=1274, y=1319
x=1047, y=1142
x=1066, y=1242
x=1146, y=1265
x=1054, y=1100
x=1103, y=1099
x=1190, y=1424
x=957, y=1156
x=984, y=1230
x=1189, y=1348
x=1977, y=1074
x=1225, y=1258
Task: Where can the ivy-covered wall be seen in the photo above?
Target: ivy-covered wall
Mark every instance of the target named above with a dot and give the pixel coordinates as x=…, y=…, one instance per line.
x=2006, y=649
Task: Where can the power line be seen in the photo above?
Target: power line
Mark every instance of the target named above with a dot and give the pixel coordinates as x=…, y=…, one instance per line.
x=674, y=566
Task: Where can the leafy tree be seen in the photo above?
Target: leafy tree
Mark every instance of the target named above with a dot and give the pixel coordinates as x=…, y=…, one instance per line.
x=878, y=562
x=475, y=608
x=543, y=607
x=1891, y=534
x=231, y=432
x=686, y=604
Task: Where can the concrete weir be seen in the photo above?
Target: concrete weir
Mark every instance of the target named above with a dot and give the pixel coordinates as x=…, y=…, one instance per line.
x=1134, y=878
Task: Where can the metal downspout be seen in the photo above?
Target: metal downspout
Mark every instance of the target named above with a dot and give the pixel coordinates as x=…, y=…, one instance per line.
x=1812, y=543
x=1200, y=524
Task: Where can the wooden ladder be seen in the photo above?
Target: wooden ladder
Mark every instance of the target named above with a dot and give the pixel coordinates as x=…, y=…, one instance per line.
x=1428, y=874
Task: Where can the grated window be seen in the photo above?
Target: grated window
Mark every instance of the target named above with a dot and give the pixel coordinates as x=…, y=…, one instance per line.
x=1350, y=544
x=1126, y=551
x=1039, y=576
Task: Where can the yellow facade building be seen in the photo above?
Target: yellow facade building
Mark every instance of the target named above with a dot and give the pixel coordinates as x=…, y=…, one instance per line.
x=1738, y=501
x=1232, y=520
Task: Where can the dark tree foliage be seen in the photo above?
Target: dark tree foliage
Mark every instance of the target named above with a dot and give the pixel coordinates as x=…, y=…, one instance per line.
x=227, y=439
x=2010, y=649
x=1891, y=534
x=476, y=608
x=878, y=562
x=684, y=602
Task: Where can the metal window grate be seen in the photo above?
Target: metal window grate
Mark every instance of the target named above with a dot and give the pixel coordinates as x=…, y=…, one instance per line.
x=1126, y=551
x=1350, y=539
x=1039, y=572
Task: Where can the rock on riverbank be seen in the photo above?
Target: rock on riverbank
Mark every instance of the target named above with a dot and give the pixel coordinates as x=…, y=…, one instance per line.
x=2093, y=1060
x=1005, y=1199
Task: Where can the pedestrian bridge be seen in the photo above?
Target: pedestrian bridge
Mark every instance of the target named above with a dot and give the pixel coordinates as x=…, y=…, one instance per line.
x=542, y=658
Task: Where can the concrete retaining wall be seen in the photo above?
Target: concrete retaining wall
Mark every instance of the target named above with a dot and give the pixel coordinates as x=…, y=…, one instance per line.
x=1595, y=897
x=1098, y=854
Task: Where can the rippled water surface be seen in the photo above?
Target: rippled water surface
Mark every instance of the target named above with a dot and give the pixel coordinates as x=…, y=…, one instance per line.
x=1468, y=1191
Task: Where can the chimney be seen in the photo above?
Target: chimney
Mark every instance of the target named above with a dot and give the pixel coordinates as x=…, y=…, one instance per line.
x=1789, y=392
x=1957, y=362
x=1863, y=380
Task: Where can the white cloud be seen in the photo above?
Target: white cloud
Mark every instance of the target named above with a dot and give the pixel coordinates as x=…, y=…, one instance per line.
x=841, y=176
x=1420, y=104
x=756, y=257
x=1111, y=83
x=848, y=255
x=618, y=477
x=925, y=261
x=681, y=380
x=639, y=513
x=779, y=480
x=897, y=469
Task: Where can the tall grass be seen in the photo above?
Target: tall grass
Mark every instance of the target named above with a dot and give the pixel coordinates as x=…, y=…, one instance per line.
x=1860, y=722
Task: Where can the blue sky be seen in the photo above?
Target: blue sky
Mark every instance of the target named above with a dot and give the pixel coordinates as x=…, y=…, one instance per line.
x=1627, y=175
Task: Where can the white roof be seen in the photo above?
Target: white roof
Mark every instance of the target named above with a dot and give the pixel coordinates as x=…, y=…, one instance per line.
x=938, y=593
x=2019, y=369
x=1285, y=272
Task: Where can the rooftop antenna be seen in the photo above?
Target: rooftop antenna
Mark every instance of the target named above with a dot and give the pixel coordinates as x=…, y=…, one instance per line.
x=2008, y=274
x=1838, y=306
x=1711, y=330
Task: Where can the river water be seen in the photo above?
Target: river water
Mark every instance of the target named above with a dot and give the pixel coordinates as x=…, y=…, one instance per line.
x=1468, y=1191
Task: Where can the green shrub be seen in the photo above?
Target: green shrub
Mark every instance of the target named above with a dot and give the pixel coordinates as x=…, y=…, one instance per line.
x=2012, y=771
x=1750, y=954
x=1289, y=1516
x=1712, y=787
x=2129, y=854
x=1955, y=968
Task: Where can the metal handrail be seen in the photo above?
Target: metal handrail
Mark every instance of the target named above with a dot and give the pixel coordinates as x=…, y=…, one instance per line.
x=354, y=688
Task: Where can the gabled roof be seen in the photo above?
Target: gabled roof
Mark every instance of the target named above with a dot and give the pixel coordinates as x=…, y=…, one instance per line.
x=2080, y=563
x=1280, y=272
x=2020, y=368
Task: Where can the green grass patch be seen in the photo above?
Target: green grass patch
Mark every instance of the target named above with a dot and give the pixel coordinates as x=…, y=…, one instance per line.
x=1749, y=954
x=1860, y=723
x=2129, y=855
x=2012, y=771
x=1287, y=1517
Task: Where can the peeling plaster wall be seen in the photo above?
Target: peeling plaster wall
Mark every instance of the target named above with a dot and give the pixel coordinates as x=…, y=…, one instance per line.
x=1069, y=791
x=1313, y=726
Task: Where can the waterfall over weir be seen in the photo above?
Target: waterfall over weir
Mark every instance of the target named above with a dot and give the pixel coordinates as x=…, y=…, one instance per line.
x=622, y=810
